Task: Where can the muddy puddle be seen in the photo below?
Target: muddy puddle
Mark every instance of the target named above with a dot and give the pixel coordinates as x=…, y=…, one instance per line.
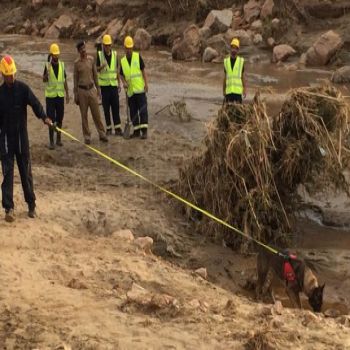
x=201, y=87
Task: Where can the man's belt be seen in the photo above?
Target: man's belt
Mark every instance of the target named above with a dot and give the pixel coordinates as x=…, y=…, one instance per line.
x=86, y=87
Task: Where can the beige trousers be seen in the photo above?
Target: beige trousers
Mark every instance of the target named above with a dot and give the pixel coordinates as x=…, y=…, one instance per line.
x=89, y=98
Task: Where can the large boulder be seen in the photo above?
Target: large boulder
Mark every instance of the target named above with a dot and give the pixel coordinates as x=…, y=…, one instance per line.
x=61, y=28
x=267, y=9
x=251, y=10
x=282, y=52
x=52, y=32
x=114, y=28
x=341, y=75
x=218, y=43
x=219, y=21
x=241, y=34
x=187, y=47
x=142, y=39
x=209, y=54
x=322, y=51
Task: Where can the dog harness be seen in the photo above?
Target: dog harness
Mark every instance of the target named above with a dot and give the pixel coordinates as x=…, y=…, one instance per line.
x=288, y=271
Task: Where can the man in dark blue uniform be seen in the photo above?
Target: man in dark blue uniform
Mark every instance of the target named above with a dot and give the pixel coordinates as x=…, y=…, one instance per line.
x=15, y=96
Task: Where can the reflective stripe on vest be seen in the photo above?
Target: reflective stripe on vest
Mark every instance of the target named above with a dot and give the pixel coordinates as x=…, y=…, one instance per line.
x=108, y=75
x=55, y=85
x=133, y=74
x=234, y=84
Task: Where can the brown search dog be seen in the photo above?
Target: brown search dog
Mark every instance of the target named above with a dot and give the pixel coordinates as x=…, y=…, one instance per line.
x=298, y=277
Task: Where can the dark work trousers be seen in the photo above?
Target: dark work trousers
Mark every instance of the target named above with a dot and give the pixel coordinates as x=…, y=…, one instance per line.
x=55, y=109
x=25, y=171
x=138, y=111
x=110, y=101
x=233, y=98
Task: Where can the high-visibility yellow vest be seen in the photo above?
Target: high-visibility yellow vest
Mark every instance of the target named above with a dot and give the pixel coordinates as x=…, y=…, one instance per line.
x=55, y=85
x=234, y=84
x=109, y=75
x=133, y=74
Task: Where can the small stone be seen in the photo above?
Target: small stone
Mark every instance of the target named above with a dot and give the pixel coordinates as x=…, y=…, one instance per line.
x=276, y=323
x=209, y=54
x=277, y=308
x=271, y=42
x=344, y=320
x=333, y=313
x=256, y=26
x=275, y=23
x=144, y=243
x=202, y=272
x=258, y=39
x=76, y=284
x=123, y=235
x=308, y=318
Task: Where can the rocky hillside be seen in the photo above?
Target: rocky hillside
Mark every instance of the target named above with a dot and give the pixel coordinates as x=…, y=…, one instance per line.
x=314, y=32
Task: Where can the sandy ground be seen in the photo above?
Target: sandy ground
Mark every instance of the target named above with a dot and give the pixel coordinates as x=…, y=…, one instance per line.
x=68, y=280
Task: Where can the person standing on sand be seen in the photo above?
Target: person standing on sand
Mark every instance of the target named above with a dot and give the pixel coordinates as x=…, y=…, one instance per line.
x=133, y=75
x=15, y=96
x=234, y=87
x=87, y=93
x=109, y=81
x=56, y=87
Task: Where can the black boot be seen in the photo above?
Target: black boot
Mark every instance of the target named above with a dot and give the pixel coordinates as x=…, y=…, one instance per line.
x=52, y=143
x=58, y=141
x=144, y=133
x=137, y=133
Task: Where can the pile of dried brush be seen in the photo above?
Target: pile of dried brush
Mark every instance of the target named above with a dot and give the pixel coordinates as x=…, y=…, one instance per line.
x=252, y=166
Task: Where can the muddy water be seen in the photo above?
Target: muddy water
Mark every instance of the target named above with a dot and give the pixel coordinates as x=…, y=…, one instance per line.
x=201, y=86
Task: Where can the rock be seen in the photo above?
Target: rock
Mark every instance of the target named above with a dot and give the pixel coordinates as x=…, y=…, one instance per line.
x=106, y=7
x=37, y=4
x=242, y=35
x=275, y=24
x=162, y=301
x=341, y=75
x=94, y=31
x=205, y=33
x=27, y=26
x=144, y=243
x=277, y=309
x=266, y=311
x=332, y=313
x=257, y=26
x=209, y=54
x=276, y=323
x=267, y=9
x=189, y=46
x=271, y=42
x=61, y=28
x=129, y=28
x=76, y=284
x=251, y=10
x=52, y=32
x=202, y=272
x=218, y=43
x=302, y=60
x=142, y=39
x=9, y=29
x=143, y=297
x=282, y=52
x=237, y=22
x=123, y=235
x=258, y=39
x=139, y=295
x=324, y=49
x=344, y=320
x=114, y=28
x=219, y=21
x=309, y=317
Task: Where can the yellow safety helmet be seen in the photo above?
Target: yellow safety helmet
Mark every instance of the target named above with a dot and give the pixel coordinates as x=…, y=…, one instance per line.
x=8, y=66
x=235, y=42
x=54, y=49
x=107, y=40
x=129, y=42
